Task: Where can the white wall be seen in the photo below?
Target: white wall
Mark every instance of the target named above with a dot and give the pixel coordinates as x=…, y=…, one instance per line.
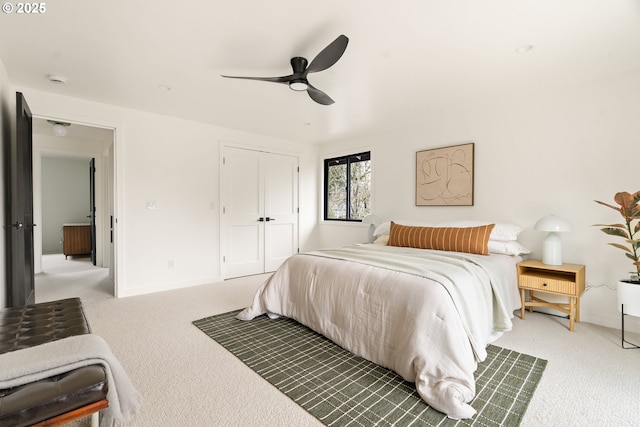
x=65, y=198
x=175, y=163
x=543, y=153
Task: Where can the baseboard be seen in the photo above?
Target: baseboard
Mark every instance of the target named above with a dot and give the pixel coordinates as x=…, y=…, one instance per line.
x=631, y=323
x=123, y=293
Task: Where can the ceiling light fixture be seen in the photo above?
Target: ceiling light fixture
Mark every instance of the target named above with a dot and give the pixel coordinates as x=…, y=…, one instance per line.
x=298, y=85
x=59, y=128
x=57, y=79
x=525, y=48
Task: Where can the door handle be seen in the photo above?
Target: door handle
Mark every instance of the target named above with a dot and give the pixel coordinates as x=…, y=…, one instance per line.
x=269, y=219
x=18, y=225
x=261, y=219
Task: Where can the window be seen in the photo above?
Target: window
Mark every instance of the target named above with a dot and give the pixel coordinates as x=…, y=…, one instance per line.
x=347, y=187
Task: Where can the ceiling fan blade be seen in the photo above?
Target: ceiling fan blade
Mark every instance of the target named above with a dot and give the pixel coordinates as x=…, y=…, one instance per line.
x=319, y=96
x=283, y=79
x=329, y=55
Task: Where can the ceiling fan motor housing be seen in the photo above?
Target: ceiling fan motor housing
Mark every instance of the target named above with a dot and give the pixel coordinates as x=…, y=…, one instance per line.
x=298, y=81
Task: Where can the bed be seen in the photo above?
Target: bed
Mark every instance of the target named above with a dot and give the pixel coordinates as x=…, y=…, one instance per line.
x=428, y=314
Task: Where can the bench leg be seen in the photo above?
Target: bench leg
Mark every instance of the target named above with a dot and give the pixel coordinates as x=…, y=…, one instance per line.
x=95, y=419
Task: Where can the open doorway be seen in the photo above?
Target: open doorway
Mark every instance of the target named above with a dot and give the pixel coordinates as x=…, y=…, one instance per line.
x=63, y=155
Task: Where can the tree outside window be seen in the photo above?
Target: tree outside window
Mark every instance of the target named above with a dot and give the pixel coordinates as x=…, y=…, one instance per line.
x=347, y=187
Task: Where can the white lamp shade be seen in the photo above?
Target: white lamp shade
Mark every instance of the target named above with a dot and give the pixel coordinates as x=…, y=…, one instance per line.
x=552, y=223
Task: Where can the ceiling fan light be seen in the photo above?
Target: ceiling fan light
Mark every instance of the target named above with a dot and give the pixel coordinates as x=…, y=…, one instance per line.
x=298, y=85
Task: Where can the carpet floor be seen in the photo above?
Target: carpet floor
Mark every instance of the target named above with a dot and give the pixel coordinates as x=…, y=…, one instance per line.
x=341, y=389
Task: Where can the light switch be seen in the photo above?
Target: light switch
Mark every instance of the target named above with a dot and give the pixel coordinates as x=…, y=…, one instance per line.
x=151, y=204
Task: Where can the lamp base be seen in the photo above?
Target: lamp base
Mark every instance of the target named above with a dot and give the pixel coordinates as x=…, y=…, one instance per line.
x=552, y=250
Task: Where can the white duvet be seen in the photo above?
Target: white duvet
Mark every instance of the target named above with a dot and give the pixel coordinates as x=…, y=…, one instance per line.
x=427, y=315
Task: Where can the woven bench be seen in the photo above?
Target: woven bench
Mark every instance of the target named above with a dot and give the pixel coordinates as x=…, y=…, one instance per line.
x=61, y=398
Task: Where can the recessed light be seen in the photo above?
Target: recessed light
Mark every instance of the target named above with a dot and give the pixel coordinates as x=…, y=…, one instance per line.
x=525, y=48
x=57, y=79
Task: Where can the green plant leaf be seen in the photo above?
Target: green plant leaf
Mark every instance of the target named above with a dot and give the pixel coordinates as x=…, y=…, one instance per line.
x=619, y=246
x=615, y=232
x=622, y=226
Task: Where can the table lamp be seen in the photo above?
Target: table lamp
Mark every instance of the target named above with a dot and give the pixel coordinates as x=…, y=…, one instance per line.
x=552, y=246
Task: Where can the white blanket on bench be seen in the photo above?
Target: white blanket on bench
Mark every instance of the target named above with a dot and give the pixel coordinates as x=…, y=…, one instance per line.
x=43, y=361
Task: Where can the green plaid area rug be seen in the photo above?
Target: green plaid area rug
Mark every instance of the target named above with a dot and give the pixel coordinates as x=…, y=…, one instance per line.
x=341, y=389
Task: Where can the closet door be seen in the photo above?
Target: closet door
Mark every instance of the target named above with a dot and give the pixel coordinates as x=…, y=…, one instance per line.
x=281, y=206
x=259, y=193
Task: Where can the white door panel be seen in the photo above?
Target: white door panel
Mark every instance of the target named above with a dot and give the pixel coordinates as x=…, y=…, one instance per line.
x=281, y=206
x=245, y=196
x=280, y=244
x=259, y=194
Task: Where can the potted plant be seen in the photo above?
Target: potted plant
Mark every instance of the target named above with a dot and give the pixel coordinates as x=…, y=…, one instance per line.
x=628, y=205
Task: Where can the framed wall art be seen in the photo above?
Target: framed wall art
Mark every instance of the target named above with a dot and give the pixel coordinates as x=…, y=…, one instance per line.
x=444, y=176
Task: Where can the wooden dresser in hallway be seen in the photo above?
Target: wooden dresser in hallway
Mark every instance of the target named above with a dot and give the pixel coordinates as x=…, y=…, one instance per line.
x=76, y=239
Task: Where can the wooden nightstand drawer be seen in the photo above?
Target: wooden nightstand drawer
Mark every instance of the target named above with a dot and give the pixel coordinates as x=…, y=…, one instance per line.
x=548, y=283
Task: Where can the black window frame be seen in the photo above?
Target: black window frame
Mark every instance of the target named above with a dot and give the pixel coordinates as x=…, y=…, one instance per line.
x=346, y=159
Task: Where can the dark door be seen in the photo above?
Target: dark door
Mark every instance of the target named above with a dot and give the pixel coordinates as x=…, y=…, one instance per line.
x=92, y=208
x=19, y=210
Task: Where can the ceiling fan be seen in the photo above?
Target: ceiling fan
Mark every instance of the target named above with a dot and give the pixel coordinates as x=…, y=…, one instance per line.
x=298, y=80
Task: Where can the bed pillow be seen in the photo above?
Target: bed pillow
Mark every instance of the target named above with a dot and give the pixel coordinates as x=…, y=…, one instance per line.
x=471, y=240
x=382, y=240
x=382, y=229
x=507, y=248
x=503, y=231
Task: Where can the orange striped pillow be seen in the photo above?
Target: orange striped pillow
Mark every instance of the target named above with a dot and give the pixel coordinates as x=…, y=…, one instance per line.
x=471, y=240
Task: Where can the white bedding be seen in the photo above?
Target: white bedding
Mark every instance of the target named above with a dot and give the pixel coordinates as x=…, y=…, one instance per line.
x=428, y=315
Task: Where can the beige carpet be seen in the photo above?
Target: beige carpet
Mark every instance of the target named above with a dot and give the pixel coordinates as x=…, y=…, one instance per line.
x=187, y=379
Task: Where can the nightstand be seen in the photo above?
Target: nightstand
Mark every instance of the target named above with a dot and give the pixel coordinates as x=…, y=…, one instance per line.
x=564, y=280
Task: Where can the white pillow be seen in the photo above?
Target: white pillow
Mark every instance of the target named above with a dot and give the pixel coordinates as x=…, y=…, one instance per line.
x=382, y=240
x=382, y=229
x=385, y=227
x=503, y=231
x=506, y=248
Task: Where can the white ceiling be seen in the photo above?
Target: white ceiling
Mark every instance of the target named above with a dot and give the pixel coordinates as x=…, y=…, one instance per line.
x=404, y=58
